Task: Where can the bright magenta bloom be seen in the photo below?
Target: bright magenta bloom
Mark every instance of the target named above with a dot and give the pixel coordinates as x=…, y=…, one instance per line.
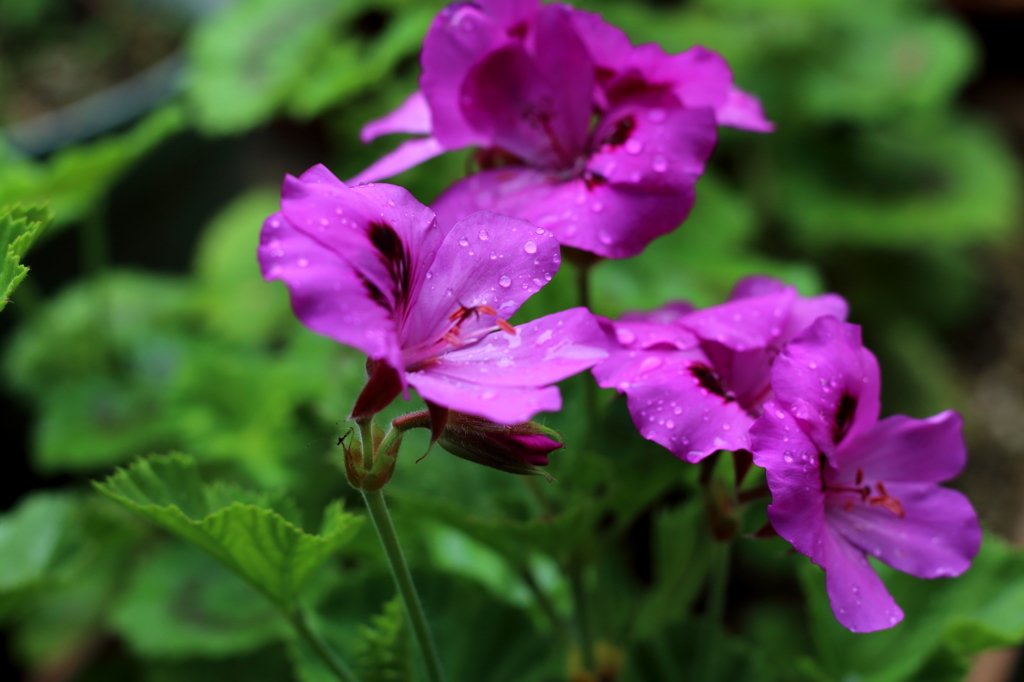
x=845, y=485
x=580, y=132
x=695, y=380
x=369, y=267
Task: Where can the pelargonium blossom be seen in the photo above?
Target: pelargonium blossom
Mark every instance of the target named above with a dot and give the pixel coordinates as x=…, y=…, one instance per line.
x=845, y=485
x=579, y=132
x=695, y=380
x=370, y=267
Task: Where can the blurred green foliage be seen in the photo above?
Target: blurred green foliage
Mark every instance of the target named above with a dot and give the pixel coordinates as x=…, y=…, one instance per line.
x=876, y=184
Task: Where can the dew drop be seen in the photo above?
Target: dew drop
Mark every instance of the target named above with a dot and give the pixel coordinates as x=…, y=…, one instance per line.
x=483, y=235
x=547, y=276
x=634, y=146
x=788, y=456
x=656, y=115
x=303, y=263
x=391, y=202
x=463, y=241
x=659, y=164
x=650, y=364
x=678, y=410
x=505, y=281
x=597, y=207
x=494, y=256
x=530, y=247
x=604, y=237
x=670, y=424
x=625, y=336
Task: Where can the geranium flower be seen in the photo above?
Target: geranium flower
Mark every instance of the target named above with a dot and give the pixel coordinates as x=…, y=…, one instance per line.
x=580, y=132
x=695, y=380
x=369, y=267
x=845, y=485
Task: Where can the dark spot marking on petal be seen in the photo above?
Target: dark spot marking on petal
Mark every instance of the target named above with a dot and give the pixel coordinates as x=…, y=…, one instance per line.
x=709, y=380
x=518, y=31
x=623, y=129
x=394, y=256
x=844, y=416
x=592, y=180
x=375, y=293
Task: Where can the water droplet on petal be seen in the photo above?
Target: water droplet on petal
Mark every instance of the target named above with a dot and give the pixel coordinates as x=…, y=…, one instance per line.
x=670, y=424
x=597, y=207
x=625, y=336
x=483, y=235
x=463, y=241
x=505, y=281
x=530, y=247
x=656, y=115
x=494, y=256
x=604, y=237
x=303, y=262
x=788, y=456
x=650, y=364
x=659, y=164
x=634, y=146
x=391, y=202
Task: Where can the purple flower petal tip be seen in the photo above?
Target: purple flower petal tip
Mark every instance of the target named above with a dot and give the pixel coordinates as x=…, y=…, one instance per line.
x=846, y=486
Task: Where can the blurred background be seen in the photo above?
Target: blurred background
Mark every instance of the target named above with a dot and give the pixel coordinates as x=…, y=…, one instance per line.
x=159, y=131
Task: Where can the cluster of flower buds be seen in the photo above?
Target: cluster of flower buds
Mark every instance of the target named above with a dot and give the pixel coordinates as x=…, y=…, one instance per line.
x=588, y=142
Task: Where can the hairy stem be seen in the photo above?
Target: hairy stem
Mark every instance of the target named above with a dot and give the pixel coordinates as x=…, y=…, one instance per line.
x=366, y=436
x=321, y=648
x=403, y=581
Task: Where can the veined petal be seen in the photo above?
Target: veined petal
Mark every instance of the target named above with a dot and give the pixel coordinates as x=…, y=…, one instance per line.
x=903, y=449
x=500, y=404
x=608, y=45
x=407, y=155
x=459, y=37
x=937, y=537
x=387, y=237
x=858, y=596
x=486, y=259
x=639, y=334
x=326, y=293
x=541, y=352
x=829, y=382
x=412, y=116
x=744, y=323
x=791, y=463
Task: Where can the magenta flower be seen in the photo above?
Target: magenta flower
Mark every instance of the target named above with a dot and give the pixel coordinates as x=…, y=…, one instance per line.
x=845, y=485
x=370, y=268
x=696, y=380
x=580, y=132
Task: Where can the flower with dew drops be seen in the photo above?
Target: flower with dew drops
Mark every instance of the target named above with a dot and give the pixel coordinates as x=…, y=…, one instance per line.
x=370, y=267
x=579, y=132
x=695, y=380
x=845, y=485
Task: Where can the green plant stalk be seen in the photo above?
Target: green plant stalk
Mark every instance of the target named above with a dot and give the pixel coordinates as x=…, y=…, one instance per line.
x=321, y=648
x=403, y=581
x=583, y=625
x=366, y=437
x=710, y=644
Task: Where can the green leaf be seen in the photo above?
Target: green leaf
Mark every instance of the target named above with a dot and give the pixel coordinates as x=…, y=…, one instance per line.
x=384, y=650
x=181, y=603
x=249, y=57
x=19, y=227
x=30, y=535
x=259, y=544
x=76, y=178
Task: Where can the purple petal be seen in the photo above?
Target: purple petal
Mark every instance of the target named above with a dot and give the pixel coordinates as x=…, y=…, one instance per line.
x=937, y=537
x=829, y=382
x=511, y=14
x=356, y=223
x=652, y=144
x=486, y=259
x=743, y=110
x=648, y=329
x=326, y=294
x=459, y=37
x=670, y=312
x=699, y=77
x=805, y=311
x=503, y=404
x=407, y=155
x=610, y=220
x=412, y=116
x=789, y=457
x=903, y=449
x=744, y=323
x=671, y=402
x=747, y=374
x=541, y=352
x=608, y=45
x=858, y=596
x=756, y=285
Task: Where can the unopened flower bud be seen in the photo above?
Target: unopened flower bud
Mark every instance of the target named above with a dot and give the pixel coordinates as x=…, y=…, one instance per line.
x=515, y=449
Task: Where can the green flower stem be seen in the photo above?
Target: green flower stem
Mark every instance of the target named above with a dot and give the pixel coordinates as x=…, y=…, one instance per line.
x=583, y=626
x=710, y=644
x=366, y=436
x=321, y=648
x=389, y=439
x=403, y=580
